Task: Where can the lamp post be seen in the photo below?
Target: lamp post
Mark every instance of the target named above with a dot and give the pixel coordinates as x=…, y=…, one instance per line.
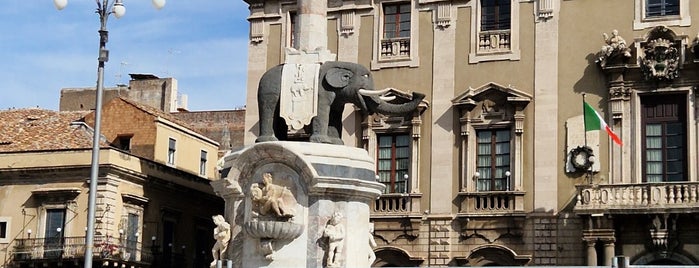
x=103, y=11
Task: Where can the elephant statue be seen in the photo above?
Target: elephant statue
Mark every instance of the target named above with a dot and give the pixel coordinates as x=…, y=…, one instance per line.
x=338, y=83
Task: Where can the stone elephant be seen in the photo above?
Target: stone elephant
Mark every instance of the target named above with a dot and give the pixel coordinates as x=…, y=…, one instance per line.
x=338, y=83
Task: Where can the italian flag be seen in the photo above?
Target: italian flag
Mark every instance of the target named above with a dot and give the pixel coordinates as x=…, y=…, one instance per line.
x=593, y=121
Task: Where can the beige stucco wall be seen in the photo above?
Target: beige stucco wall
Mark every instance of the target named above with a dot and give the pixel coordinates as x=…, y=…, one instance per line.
x=187, y=149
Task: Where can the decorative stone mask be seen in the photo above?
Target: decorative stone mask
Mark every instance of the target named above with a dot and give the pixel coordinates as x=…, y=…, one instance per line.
x=660, y=60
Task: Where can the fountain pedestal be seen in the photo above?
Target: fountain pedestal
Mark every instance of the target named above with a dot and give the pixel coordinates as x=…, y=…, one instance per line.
x=294, y=204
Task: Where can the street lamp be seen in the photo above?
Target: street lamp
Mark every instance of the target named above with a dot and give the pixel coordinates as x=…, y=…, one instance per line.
x=103, y=11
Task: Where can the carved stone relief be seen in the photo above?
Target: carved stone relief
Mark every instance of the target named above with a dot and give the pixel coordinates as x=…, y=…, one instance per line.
x=661, y=58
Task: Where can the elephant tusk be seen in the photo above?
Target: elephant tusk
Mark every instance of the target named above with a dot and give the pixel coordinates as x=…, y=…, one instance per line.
x=387, y=98
x=365, y=92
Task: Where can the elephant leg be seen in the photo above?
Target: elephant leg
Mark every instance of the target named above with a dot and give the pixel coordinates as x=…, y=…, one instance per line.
x=319, y=123
x=268, y=106
x=335, y=125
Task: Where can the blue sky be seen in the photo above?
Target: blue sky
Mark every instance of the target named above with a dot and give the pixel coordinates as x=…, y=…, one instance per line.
x=201, y=43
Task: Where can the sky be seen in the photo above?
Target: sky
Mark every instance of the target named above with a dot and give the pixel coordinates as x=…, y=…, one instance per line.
x=201, y=43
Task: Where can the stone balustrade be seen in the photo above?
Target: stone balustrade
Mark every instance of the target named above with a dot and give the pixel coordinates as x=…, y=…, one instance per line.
x=494, y=41
x=396, y=204
x=638, y=198
x=492, y=203
x=395, y=48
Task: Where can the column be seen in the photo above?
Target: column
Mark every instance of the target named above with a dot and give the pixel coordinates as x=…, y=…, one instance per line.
x=608, y=252
x=591, y=253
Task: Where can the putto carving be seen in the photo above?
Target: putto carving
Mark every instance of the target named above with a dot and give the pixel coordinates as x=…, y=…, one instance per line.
x=335, y=232
x=222, y=234
x=661, y=56
x=273, y=208
x=615, y=50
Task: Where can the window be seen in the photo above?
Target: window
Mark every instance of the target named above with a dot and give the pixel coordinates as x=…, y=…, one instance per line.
x=493, y=160
x=664, y=139
x=53, y=232
x=491, y=140
x=393, y=162
x=171, y=151
x=494, y=31
x=132, y=233
x=396, y=20
x=4, y=229
x=495, y=15
x=292, y=30
x=396, y=32
x=652, y=13
x=202, y=163
x=395, y=42
x=124, y=143
x=656, y=8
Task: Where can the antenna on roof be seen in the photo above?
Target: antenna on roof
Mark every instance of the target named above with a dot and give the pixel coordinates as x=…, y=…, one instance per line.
x=121, y=71
x=170, y=52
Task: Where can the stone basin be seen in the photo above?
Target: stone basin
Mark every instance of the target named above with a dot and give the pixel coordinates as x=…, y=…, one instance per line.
x=273, y=229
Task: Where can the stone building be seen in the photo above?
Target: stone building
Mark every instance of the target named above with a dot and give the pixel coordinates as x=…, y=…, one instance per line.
x=497, y=168
x=224, y=126
x=153, y=172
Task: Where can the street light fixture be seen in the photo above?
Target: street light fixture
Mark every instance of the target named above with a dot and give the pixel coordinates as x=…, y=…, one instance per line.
x=103, y=11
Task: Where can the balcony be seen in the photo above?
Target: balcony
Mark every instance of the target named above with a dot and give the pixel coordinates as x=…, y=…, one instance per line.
x=668, y=197
x=395, y=48
x=73, y=248
x=392, y=205
x=494, y=41
x=491, y=203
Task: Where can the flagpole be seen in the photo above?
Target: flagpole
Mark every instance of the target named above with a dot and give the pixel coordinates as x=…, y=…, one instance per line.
x=584, y=129
x=589, y=170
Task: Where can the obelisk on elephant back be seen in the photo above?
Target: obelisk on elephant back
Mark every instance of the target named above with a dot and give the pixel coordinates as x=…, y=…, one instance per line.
x=298, y=102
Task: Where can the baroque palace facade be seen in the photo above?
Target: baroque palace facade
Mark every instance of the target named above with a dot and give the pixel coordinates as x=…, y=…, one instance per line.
x=496, y=167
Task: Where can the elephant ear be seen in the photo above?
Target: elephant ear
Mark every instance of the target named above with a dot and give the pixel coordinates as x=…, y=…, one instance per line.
x=338, y=77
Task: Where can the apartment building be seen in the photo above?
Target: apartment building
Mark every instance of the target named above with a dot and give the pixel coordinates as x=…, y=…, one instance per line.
x=498, y=167
x=154, y=202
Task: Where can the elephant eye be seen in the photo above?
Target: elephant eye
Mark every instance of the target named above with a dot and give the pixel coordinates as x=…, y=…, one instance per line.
x=366, y=75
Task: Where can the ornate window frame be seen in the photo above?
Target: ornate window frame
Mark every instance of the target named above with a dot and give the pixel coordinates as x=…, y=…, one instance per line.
x=491, y=106
x=512, y=53
x=377, y=124
x=642, y=22
x=412, y=59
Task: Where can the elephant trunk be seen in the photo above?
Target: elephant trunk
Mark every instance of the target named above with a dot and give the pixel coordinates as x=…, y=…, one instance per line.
x=375, y=104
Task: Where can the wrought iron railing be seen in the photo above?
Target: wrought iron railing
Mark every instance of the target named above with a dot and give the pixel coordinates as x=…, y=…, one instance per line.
x=638, y=197
x=74, y=247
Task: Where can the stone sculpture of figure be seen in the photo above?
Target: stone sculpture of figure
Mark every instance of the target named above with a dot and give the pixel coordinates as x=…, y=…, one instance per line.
x=335, y=232
x=372, y=244
x=222, y=234
x=272, y=198
x=615, y=43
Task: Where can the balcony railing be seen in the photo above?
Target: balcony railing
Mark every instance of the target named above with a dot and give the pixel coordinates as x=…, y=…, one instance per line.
x=395, y=48
x=104, y=248
x=396, y=205
x=638, y=198
x=492, y=203
x=494, y=41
